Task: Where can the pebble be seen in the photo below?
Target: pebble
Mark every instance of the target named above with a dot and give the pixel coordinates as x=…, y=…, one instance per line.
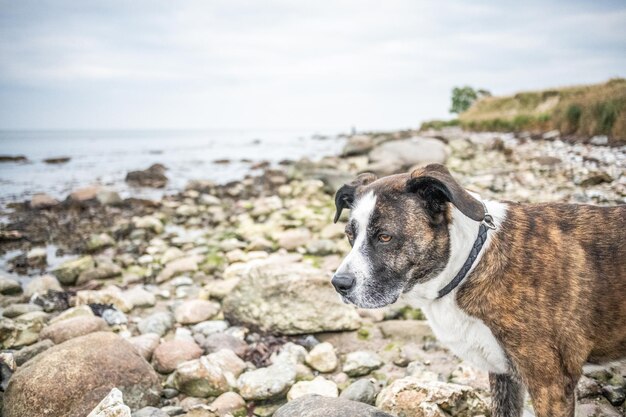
x=18, y=309
x=265, y=383
x=9, y=286
x=322, y=357
x=210, y=326
x=73, y=327
x=158, y=323
x=168, y=355
x=318, y=386
x=229, y=403
x=28, y=352
x=150, y=412
x=41, y=285
x=361, y=363
x=196, y=311
x=363, y=390
x=217, y=341
x=139, y=297
x=145, y=344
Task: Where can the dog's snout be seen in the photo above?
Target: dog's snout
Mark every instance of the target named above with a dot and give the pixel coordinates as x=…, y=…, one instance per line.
x=343, y=283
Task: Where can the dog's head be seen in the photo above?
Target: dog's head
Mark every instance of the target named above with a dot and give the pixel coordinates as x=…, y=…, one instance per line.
x=398, y=230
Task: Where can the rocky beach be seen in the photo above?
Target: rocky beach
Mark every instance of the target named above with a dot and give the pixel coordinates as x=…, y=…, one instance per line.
x=216, y=300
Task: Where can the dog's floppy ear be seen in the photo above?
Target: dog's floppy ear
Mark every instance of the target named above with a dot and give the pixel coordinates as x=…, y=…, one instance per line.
x=435, y=185
x=344, y=198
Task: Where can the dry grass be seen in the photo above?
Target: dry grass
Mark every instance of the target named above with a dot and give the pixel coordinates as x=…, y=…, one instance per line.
x=582, y=111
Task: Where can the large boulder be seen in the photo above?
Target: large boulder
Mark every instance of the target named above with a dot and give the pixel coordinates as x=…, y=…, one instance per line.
x=318, y=406
x=279, y=296
x=70, y=379
x=414, y=397
x=400, y=155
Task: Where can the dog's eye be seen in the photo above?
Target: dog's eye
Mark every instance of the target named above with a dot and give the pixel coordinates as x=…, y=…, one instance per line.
x=383, y=237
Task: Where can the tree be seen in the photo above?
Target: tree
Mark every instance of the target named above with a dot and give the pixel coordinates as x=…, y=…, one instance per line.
x=464, y=97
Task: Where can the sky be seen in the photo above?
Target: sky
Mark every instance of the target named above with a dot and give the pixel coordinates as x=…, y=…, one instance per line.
x=323, y=64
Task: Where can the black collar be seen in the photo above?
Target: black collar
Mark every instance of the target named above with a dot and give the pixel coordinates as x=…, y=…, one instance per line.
x=485, y=225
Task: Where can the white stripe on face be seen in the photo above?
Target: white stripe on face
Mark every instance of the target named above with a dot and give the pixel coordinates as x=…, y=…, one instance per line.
x=357, y=263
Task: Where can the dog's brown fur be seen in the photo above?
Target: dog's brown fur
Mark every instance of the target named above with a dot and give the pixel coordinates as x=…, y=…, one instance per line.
x=552, y=289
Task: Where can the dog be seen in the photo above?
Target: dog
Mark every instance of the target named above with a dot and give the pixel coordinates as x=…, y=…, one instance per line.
x=527, y=292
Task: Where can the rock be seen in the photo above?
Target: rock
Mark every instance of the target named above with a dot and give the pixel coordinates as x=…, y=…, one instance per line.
x=78, y=311
x=153, y=177
x=42, y=201
x=168, y=355
x=219, y=289
x=67, y=273
x=321, y=247
x=265, y=383
x=28, y=352
x=288, y=298
x=9, y=286
x=219, y=341
x=293, y=238
x=196, y=311
x=145, y=344
x=318, y=386
x=82, y=195
x=158, y=323
x=102, y=271
x=178, y=267
x=587, y=387
x=108, y=295
x=37, y=257
x=111, y=406
x=551, y=135
x=13, y=158
x=361, y=363
x=18, y=309
x=409, y=331
x=363, y=390
x=114, y=317
x=209, y=327
x=289, y=353
x=317, y=406
x=71, y=378
x=595, y=178
x=171, y=254
x=150, y=412
x=64, y=330
x=600, y=408
x=357, y=145
x=322, y=357
x=209, y=375
x=57, y=160
x=100, y=241
x=411, y=396
x=108, y=198
x=139, y=297
x=229, y=403
x=23, y=331
x=615, y=395
x=41, y=285
x=599, y=140
x=148, y=223
x=401, y=155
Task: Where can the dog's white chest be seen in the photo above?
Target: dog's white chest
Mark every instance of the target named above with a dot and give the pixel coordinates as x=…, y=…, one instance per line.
x=467, y=337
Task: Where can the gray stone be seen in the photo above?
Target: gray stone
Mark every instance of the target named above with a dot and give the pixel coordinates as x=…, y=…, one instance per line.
x=363, y=390
x=111, y=406
x=401, y=155
x=322, y=357
x=150, y=412
x=41, y=285
x=42, y=201
x=108, y=197
x=67, y=273
x=265, y=383
x=615, y=395
x=209, y=375
x=361, y=363
x=158, y=323
x=317, y=406
x=196, y=311
x=9, y=286
x=288, y=298
x=318, y=386
x=145, y=344
x=72, y=378
x=18, y=309
x=218, y=341
x=600, y=408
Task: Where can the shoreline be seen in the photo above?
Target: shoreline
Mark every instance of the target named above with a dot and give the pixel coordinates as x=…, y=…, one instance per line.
x=244, y=268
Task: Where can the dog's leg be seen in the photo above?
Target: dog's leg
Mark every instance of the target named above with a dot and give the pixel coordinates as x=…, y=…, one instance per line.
x=507, y=396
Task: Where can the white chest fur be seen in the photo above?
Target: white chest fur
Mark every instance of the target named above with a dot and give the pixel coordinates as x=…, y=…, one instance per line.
x=467, y=337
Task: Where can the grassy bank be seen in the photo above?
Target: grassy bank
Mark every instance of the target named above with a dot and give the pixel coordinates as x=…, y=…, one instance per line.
x=580, y=111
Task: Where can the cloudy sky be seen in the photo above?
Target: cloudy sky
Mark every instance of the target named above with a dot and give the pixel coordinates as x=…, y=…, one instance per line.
x=287, y=63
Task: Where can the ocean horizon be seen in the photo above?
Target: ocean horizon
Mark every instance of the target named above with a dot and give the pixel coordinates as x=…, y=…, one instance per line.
x=104, y=156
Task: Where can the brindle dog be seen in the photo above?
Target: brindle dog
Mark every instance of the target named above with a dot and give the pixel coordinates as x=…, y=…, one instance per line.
x=529, y=292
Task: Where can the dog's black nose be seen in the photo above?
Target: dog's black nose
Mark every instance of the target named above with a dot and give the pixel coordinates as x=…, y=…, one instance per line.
x=343, y=283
